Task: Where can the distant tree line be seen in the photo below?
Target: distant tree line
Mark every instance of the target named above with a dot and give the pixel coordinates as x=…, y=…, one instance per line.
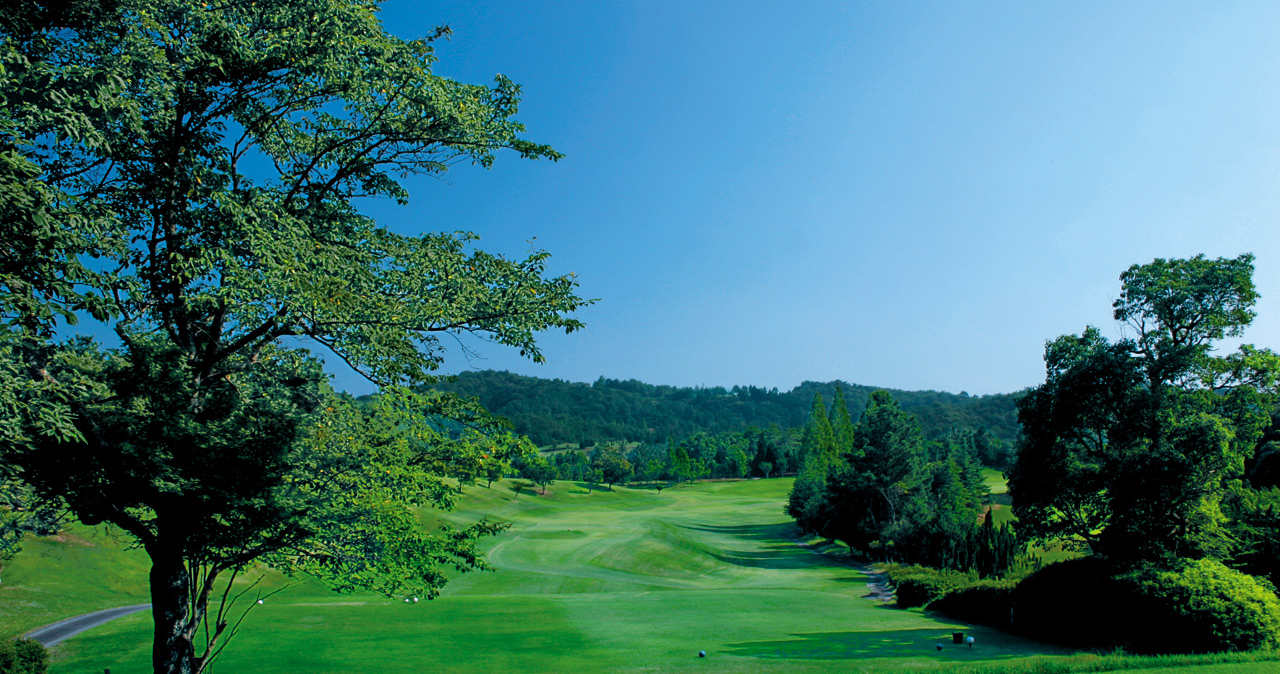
x=554, y=412
x=756, y=452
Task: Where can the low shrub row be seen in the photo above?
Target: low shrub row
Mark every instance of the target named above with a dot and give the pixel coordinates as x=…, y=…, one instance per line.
x=924, y=586
x=1183, y=606
x=921, y=585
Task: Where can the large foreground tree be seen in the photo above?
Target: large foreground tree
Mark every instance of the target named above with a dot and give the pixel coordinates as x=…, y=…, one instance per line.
x=186, y=173
x=1130, y=446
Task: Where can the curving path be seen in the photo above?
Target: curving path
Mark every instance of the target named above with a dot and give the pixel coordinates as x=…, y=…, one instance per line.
x=55, y=633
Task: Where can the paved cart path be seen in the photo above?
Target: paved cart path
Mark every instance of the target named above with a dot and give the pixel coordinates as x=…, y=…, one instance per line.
x=55, y=633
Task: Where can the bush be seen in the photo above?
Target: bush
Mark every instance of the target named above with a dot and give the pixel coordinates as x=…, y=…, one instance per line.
x=1186, y=606
x=921, y=585
x=1075, y=603
x=1201, y=606
x=986, y=602
x=23, y=656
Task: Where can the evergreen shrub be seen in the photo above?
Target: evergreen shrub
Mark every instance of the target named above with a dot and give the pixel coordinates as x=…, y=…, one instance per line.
x=1202, y=606
x=1077, y=603
x=921, y=585
x=987, y=602
x=23, y=656
x=1183, y=606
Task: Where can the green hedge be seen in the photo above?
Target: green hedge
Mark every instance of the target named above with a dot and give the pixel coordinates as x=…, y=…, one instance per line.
x=1183, y=606
x=927, y=586
x=1202, y=606
x=23, y=656
x=1075, y=603
x=921, y=585
x=986, y=603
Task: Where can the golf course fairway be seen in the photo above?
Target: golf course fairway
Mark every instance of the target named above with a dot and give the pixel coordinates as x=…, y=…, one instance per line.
x=629, y=580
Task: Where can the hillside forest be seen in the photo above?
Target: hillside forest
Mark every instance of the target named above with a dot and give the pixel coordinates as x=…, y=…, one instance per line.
x=558, y=413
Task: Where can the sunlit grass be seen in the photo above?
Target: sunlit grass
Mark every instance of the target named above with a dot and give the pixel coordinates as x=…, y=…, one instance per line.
x=622, y=581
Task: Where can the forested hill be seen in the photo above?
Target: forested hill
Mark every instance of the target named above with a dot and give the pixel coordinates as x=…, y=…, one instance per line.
x=553, y=411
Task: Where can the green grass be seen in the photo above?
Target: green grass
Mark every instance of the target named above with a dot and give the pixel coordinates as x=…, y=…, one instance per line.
x=622, y=581
x=80, y=570
x=994, y=479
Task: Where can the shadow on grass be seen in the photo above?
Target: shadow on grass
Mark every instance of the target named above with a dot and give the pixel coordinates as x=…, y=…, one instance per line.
x=649, y=486
x=756, y=532
x=770, y=559
x=774, y=548
x=860, y=579
x=849, y=645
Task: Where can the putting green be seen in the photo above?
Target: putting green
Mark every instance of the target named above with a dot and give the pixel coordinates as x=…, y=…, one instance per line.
x=623, y=581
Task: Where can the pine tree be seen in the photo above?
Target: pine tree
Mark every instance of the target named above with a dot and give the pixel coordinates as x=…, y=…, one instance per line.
x=817, y=437
x=807, y=502
x=841, y=422
x=871, y=489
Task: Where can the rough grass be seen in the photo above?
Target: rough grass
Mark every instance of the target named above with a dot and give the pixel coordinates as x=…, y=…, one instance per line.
x=622, y=581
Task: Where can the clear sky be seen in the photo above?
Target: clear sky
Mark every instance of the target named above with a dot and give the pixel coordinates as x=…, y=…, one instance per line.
x=911, y=195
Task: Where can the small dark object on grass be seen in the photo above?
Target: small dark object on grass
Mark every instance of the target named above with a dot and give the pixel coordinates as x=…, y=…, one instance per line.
x=939, y=646
x=702, y=654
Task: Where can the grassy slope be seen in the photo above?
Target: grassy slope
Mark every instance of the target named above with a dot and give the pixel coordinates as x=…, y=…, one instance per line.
x=623, y=581
x=82, y=569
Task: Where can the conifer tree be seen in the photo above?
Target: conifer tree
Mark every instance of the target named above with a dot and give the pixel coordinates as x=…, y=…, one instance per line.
x=841, y=421
x=817, y=437
x=870, y=490
x=806, y=503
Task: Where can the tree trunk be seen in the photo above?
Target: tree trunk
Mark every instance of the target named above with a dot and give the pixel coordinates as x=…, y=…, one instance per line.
x=172, y=651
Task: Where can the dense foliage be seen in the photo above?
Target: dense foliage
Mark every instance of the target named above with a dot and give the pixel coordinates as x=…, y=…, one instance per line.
x=1180, y=606
x=1201, y=606
x=880, y=488
x=555, y=412
x=23, y=656
x=1138, y=448
x=1155, y=455
x=1132, y=446
x=185, y=174
x=915, y=585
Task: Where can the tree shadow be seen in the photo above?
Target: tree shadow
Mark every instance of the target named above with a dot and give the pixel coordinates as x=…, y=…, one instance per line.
x=782, y=558
x=648, y=486
x=773, y=532
x=922, y=642
x=586, y=487
x=771, y=547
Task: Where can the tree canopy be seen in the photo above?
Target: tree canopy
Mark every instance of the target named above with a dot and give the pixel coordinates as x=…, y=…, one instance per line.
x=188, y=174
x=888, y=494
x=1130, y=446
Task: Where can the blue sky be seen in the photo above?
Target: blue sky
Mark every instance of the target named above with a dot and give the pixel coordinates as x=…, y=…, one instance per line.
x=910, y=195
